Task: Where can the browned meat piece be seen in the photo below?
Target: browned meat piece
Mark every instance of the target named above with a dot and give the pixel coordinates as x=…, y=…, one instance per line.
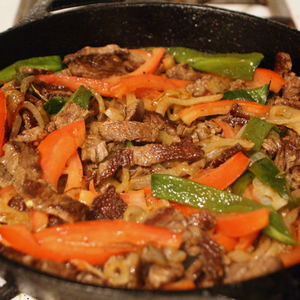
x=238, y=84
x=34, y=71
x=48, y=90
x=139, y=171
x=101, y=62
x=21, y=161
x=135, y=111
x=167, y=217
x=291, y=89
x=36, y=134
x=93, y=149
x=294, y=102
x=18, y=203
x=272, y=145
x=121, y=131
x=236, y=116
x=207, y=83
x=146, y=156
x=288, y=158
x=70, y=114
x=206, y=129
x=160, y=122
x=283, y=63
x=157, y=153
x=122, y=158
x=238, y=272
x=107, y=206
x=184, y=131
x=209, y=254
x=45, y=199
x=183, y=71
x=226, y=154
x=5, y=177
x=204, y=219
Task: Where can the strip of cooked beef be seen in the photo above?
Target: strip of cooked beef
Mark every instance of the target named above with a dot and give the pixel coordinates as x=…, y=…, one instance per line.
x=21, y=161
x=207, y=83
x=207, y=254
x=146, y=156
x=45, y=198
x=35, y=134
x=283, y=63
x=34, y=71
x=183, y=71
x=151, y=154
x=288, y=158
x=161, y=123
x=237, y=272
x=121, y=131
x=203, y=219
x=70, y=114
x=47, y=90
x=206, y=129
x=102, y=62
x=107, y=206
x=167, y=217
x=291, y=89
x=135, y=111
x=17, y=202
x=93, y=149
x=236, y=116
x=226, y=154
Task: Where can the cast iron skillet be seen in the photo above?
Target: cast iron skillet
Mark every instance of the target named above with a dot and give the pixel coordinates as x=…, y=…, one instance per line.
x=133, y=24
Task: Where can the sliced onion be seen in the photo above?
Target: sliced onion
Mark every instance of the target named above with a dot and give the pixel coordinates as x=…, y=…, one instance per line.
x=36, y=113
x=16, y=126
x=25, y=84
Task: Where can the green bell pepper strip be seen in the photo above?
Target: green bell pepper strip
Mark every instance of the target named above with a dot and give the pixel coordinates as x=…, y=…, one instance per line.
x=264, y=169
x=258, y=95
x=53, y=63
x=81, y=97
x=241, y=183
x=194, y=194
x=232, y=65
x=256, y=130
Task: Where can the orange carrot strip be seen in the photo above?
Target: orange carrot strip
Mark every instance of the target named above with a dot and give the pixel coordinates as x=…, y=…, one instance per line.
x=246, y=241
x=73, y=83
x=228, y=130
x=226, y=173
x=151, y=64
x=186, y=210
x=181, y=285
x=20, y=238
x=57, y=147
x=188, y=115
x=132, y=83
x=74, y=170
x=226, y=241
x=266, y=76
x=109, y=231
x=240, y=224
x=39, y=220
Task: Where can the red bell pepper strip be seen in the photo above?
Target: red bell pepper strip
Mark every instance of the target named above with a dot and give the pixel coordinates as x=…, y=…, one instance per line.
x=73, y=83
x=2, y=120
x=190, y=114
x=106, y=232
x=57, y=147
x=266, y=76
x=238, y=224
x=20, y=238
x=151, y=64
x=225, y=174
x=228, y=130
x=74, y=170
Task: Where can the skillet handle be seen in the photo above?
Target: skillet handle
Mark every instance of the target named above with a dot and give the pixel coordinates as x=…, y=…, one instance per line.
x=44, y=8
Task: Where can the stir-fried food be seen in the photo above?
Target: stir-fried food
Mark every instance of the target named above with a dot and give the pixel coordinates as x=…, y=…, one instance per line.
x=161, y=168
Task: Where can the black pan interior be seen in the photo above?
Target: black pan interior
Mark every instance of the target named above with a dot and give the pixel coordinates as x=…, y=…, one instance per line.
x=133, y=24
